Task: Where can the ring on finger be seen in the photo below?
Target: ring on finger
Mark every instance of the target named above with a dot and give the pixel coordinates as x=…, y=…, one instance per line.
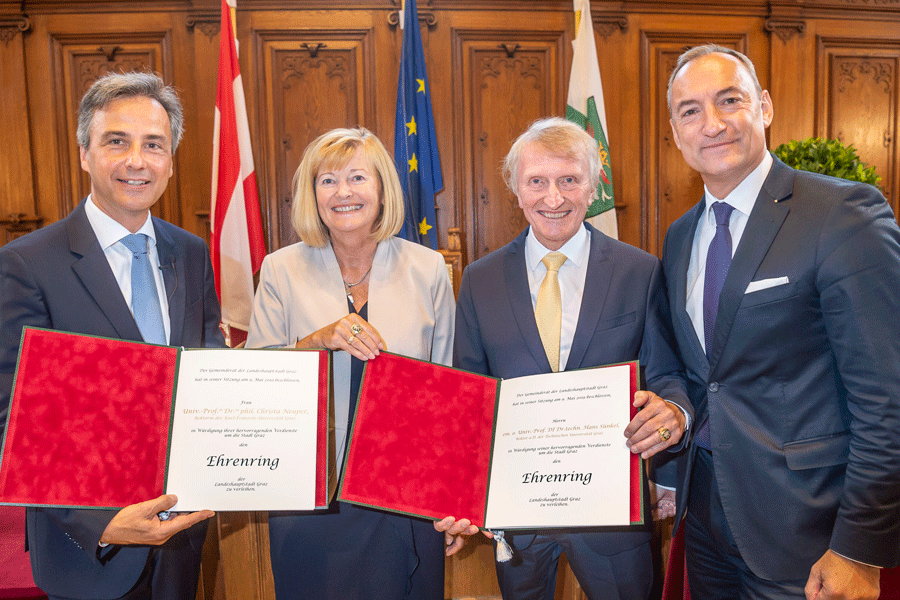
x=352, y=338
x=356, y=328
x=664, y=434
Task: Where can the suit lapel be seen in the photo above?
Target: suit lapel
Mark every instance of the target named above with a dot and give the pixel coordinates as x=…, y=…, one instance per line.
x=514, y=271
x=596, y=287
x=765, y=221
x=93, y=270
x=171, y=263
x=682, y=261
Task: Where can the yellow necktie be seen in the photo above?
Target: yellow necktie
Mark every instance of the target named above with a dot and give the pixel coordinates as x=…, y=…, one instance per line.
x=548, y=309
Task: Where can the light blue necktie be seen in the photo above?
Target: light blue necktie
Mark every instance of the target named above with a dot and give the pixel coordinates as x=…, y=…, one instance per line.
x=144, y=297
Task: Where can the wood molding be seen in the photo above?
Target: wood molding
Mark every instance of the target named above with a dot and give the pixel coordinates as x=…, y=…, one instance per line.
x=426, y=15
x=208, y=22
x=608, y=23
x=785, y=29
x=13, y=21
x=453, y=257
x=18, y=225
x=77, y=61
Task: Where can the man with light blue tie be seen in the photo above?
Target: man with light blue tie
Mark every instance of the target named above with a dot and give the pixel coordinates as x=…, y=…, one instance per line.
x=784, y=293
x=110, y=269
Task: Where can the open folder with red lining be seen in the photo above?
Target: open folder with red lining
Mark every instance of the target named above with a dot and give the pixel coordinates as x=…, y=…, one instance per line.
x=425, y=440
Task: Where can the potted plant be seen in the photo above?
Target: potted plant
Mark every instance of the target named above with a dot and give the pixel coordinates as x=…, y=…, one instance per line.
x=830, y=157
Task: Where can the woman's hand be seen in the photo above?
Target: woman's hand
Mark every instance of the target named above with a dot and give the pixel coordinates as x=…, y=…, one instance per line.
x=351, y=333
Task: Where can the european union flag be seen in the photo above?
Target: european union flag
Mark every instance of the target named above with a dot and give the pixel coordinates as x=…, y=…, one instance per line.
x=415, y=145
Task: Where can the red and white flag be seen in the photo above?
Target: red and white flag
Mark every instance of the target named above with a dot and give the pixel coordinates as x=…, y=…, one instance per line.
x=237, y=238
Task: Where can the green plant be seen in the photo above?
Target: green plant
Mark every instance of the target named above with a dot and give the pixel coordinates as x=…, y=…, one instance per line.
x=830, y=157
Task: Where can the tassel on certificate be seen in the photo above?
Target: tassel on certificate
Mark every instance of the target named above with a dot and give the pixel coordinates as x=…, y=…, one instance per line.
x=504, y=550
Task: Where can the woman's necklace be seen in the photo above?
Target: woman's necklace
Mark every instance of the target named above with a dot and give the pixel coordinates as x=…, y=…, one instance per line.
x=350, y=286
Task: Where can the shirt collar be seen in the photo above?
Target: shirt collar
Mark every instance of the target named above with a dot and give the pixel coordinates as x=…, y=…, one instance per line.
x=108, y=230
x=576, y=248
x=743, y=197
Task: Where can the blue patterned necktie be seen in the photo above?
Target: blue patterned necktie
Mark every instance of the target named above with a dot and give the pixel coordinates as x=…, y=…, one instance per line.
x=144, y=297
x=718, y=261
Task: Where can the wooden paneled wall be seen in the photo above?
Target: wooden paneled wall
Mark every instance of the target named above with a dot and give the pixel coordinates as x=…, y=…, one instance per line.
x=493, y=66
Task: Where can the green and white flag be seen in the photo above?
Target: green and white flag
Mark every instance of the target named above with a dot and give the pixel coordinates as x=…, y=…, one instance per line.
x=586, y=108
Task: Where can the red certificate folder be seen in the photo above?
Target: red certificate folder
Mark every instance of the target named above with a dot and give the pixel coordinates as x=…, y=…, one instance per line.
x=90, y=420
x=423, y=437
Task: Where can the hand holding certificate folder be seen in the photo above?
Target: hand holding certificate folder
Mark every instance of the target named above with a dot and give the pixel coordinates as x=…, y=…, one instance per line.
x=531, y=452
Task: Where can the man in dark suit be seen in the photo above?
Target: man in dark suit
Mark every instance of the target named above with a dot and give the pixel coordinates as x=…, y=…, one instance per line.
x=784, y=287
x=76, y=275
x=612, y=308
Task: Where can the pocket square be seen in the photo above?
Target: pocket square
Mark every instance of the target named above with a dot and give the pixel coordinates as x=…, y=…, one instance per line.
x=764, y=284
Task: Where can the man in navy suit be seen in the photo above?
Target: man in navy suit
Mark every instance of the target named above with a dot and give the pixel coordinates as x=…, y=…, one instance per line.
x=74, y=275
x=784, y=287
x=612, y=309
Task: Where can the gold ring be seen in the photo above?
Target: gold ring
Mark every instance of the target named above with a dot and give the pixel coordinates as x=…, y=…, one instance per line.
x=355, y=328
x=350, y=339
x=664, y=434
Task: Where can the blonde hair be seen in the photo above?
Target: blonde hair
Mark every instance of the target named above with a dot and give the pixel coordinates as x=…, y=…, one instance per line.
x=558, y=137
x=332, y=151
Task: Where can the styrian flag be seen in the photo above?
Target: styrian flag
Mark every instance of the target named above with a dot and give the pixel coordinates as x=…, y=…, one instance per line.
x=237, y=237
x=585, y=107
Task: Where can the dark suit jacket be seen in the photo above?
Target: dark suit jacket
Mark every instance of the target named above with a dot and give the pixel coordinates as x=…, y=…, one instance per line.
x=59, y=278
x=803, y=384
x=624, y=316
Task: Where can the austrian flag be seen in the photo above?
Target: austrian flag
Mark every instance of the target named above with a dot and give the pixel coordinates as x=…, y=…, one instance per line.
x=237, y=238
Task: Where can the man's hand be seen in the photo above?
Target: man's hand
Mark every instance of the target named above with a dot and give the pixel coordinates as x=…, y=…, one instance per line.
x=139, y=523
x=662, y=501
x=656, y=414
x=834, y=577
x=456, y=532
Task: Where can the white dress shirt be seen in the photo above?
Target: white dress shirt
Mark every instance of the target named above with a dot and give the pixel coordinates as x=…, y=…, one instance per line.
x=109, y=232
x=572, y=275
x=742, y=198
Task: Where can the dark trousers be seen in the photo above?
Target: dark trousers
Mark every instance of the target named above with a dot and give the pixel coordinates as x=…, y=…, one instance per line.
x=172, y=573
x=715, y=568
x=531, y=575
x=352, y=552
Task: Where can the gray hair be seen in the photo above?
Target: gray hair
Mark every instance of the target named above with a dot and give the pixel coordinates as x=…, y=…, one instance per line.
x=129, y=85
x=559, y=137
x=705, y=50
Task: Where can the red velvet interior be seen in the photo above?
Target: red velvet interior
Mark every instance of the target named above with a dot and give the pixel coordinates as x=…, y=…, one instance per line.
x=322, y=465
x=89, y=421
x=421, y=440
x=637, y=487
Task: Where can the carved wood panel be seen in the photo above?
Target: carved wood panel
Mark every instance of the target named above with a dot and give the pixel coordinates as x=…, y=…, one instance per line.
x=672, y=187
x=312, y=82
x=508, y=79
x=79, y=61
x=858, y=94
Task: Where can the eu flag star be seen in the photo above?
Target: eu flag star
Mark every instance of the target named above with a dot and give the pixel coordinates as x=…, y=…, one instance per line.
x=411, y=126
x=413, y=164
x=421, y=86
x=424, y=227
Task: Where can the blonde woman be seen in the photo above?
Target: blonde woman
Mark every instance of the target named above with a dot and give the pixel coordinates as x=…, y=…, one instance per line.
x=353, y=287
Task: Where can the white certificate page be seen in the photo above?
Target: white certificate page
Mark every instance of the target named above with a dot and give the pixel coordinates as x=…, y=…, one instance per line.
x=244, y=430
x=559, y=457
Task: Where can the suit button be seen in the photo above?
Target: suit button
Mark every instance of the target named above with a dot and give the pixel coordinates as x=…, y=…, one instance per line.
x=714, y=387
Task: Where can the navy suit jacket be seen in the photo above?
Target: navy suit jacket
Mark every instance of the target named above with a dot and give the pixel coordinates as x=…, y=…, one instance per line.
x=802, y=387
x=59, y=278
x=624, y=316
